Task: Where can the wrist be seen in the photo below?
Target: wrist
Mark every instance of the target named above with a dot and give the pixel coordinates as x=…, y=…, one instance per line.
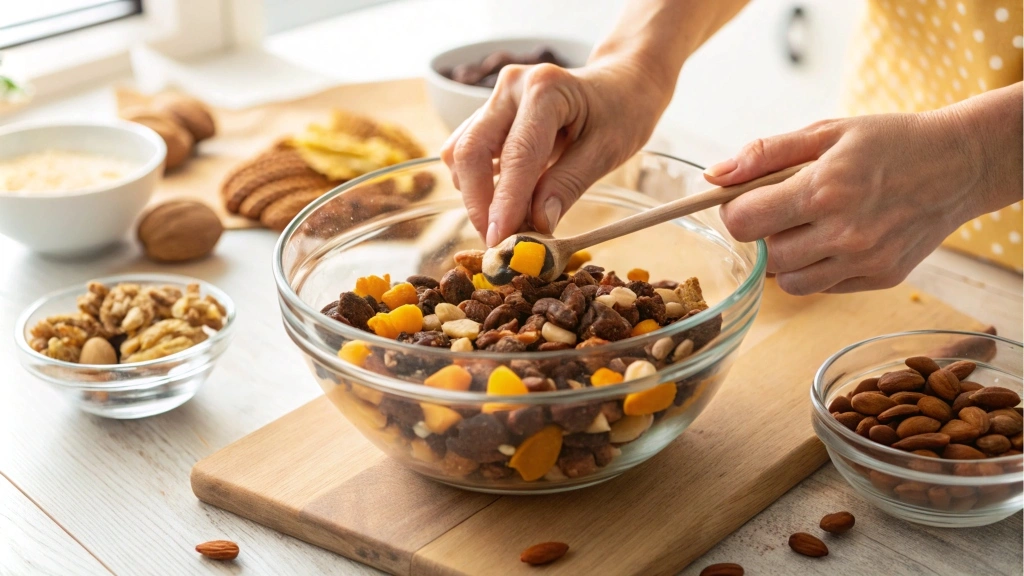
x=653, y=78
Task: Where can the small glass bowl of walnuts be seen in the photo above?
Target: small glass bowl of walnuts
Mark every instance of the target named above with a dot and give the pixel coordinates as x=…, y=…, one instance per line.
x=127, y=346
x=926, y=425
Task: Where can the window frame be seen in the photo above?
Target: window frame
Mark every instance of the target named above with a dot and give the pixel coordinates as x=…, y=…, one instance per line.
x=41, y=28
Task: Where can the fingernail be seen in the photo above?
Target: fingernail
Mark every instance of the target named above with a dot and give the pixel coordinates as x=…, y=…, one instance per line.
x=552, y=211
x=492, y=235
x=722, y=168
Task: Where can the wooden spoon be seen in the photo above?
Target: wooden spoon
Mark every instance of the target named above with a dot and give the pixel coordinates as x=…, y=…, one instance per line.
x=496, y=260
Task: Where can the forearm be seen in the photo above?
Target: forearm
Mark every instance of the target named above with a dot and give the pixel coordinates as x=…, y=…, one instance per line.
x=992, y=136
x=657, y=36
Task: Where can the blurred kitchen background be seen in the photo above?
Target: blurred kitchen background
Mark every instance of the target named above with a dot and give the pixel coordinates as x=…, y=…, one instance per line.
x=776, y=67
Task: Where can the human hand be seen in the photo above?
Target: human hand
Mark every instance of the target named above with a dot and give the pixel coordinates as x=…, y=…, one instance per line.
x=884, y=192
x=549, y=133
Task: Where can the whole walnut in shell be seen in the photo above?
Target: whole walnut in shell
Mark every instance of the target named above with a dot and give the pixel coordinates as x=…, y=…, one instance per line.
x=178, y=140
x=179, y=230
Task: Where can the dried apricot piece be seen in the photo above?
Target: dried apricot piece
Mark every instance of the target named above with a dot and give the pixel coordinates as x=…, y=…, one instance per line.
x=373, y=286
x=403, y=293
x=439, y=419
x=382, y=326
x=638, y=275
x=354, y=352
x=480, y=282
x=407, y=318
x=644, y=327
x=649, y=401
x=605, y=377
x=528, y=258
x=503, y=382
x=577, y=260
x=451, y=377
x=538, y=453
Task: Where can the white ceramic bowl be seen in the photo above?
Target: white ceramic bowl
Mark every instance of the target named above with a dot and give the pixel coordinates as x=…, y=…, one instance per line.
x=80, y=221
x=455, y=102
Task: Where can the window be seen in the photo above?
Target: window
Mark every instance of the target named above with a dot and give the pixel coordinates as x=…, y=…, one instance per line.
x=24, y=21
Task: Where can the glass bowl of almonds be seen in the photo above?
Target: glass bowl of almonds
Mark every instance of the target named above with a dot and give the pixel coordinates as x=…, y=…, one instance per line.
x=530, y=387
x=127, y=346
x=927, y=425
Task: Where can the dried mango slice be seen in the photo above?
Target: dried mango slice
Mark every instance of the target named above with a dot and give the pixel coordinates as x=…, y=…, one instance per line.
x=480, y=282
x=439, y=419
x=503, y=382
x=577, y=260
x=403, y=293
x=528, y=258
x=354, y=352
x=538, y=453
x=605, y=377
x=644, y=327
x=373, y=286
x=638, y=275
x=451, y=377
x=382, y=326
x=406, y=318
x=649, y=401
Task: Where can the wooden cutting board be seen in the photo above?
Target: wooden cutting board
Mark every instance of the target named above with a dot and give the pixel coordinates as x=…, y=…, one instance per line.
x=310, y=474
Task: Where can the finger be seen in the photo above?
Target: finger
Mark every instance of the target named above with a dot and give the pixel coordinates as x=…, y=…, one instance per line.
x=474, y=153
x=527, y=151
x=817, y=277
x=769, y=210
x=863, y=283
x=563, y=184
x=448, y=148
x=766, y=155
x=798, y=247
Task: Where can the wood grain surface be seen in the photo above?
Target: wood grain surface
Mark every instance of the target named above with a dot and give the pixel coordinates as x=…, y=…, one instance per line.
x=658, y=517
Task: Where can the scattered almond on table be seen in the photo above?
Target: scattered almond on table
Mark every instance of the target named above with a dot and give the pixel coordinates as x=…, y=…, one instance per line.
x=837, y=523
x=218, y=549
x=544, y=553
x=723, y=569
x=808, y=545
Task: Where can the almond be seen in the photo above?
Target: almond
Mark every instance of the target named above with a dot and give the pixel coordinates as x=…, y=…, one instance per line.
x=804, y=543
x=1011, y=412
x=912, y=493
x=901, y=381
x=544, y=553
x=929, y=465
x=933, y=407
x=917, y=425
x=849, y=419
x=1005, y=425
x=923, y=442
x=871, y=403
x=897, y=412
x=883, y=435
x=882, y=481
x=1017, y=441
x=218, y=549
x=837, y=522
x=961, y=368
x=723, y=569
x=961, y=452
x=968, y=386
x=993, y=443
x=944, y=384
x=865, y=426
x=960, y=432
x=867, y=385
x=922, y=364
x=907, y=397
x=976, y=417
x=962, y=401
x=995, y=397
x=938, y=497
x=840, y=404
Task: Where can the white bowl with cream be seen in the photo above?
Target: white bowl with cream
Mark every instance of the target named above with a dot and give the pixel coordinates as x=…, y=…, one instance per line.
x=73, y=188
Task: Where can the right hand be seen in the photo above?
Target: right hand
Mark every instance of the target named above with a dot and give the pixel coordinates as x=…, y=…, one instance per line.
x=554, y=132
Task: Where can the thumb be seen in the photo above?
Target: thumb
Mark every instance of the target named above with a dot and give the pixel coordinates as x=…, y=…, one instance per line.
x=563, y=183
x=767, y=155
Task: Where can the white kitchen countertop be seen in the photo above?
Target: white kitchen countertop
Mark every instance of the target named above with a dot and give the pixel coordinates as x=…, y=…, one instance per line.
x=84, y=495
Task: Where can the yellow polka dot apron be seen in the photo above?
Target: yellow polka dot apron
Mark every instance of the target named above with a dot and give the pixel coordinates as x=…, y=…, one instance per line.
x=918, y=55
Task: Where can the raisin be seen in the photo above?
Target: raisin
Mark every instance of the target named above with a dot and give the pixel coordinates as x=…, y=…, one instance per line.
x=553, y=346
x=432, y=338
x=478, y=438
x=526, y=369
x=508, y=344
x=526, y=421
x=584, y=440
x=590, y=291
x=456, y=286
x=421, y=281
x=641, y=288
x=475, y=311
x=573, y=297
x=610, y=279
x=666, y=284
x=401, y=410
x=500, y=315
x=574, y=417
x=606, y=324
x=521, y=305
x=629, y=313
x=488, y=297
x=583, y=278
x=489, y=338
x=352, y=309
x=526, y=288
x=429, y=299
x=552, y=290
x=539, y=384
x=576, y=462
x=556, y=312
x=510, y=326
x=596, y=272
x=651, y=307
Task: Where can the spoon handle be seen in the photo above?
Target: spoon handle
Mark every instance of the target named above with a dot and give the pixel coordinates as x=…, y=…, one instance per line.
x=674, y=209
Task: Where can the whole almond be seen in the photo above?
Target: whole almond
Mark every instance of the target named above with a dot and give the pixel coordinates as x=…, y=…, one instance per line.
x=961, y=491
x=938, y=497
x=968, y=386
x=922, y=364
x=960, y=431
x=804, y=543
x=871, y=403
x=840, y=404
x=962, y=401
x=912, y=493
x=907, y=397
x=976, y=417
x=849, y=419
x=923, y=442
x=837, y=522
x=218, y=549
x=961, y=368
x=930, y=464
x=882, y=481
x=900, y=381
x=995, y=397
x=544, y=553
x=961, y=452
x=1011, y=412
x=897, y=412
x=866, y=385
x=723, y=569
x=944, y=384
x=865, y=426
x=1017, y=441
x=933, y=407
x=918, y=425
x=1005, y=425
x=993, y=443
x=926, y=453
x=883, y=435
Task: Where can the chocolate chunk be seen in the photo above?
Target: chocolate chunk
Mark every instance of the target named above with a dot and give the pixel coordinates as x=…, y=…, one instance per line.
x=400, y=410
x=574, y=417
x=583, y=278
x=556, y=312
x=577, y=462
x=641, y=288
x=478, y=438
x=421, y=281
x=584, y=440
x=606, y=323
x=651, y=307
x=351, y=309
x=573, y=297
x=526, y=421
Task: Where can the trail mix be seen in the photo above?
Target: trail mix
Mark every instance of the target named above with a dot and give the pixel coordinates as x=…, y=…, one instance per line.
x=129, y=323
x=587, y=308
x=933, y=410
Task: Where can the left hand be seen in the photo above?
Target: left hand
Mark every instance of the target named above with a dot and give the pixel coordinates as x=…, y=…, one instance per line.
x=884, y=192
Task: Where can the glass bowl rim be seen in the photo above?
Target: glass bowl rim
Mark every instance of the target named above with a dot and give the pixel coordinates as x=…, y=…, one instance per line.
x=21, y=325
x=289, y=296
x=849, y=437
